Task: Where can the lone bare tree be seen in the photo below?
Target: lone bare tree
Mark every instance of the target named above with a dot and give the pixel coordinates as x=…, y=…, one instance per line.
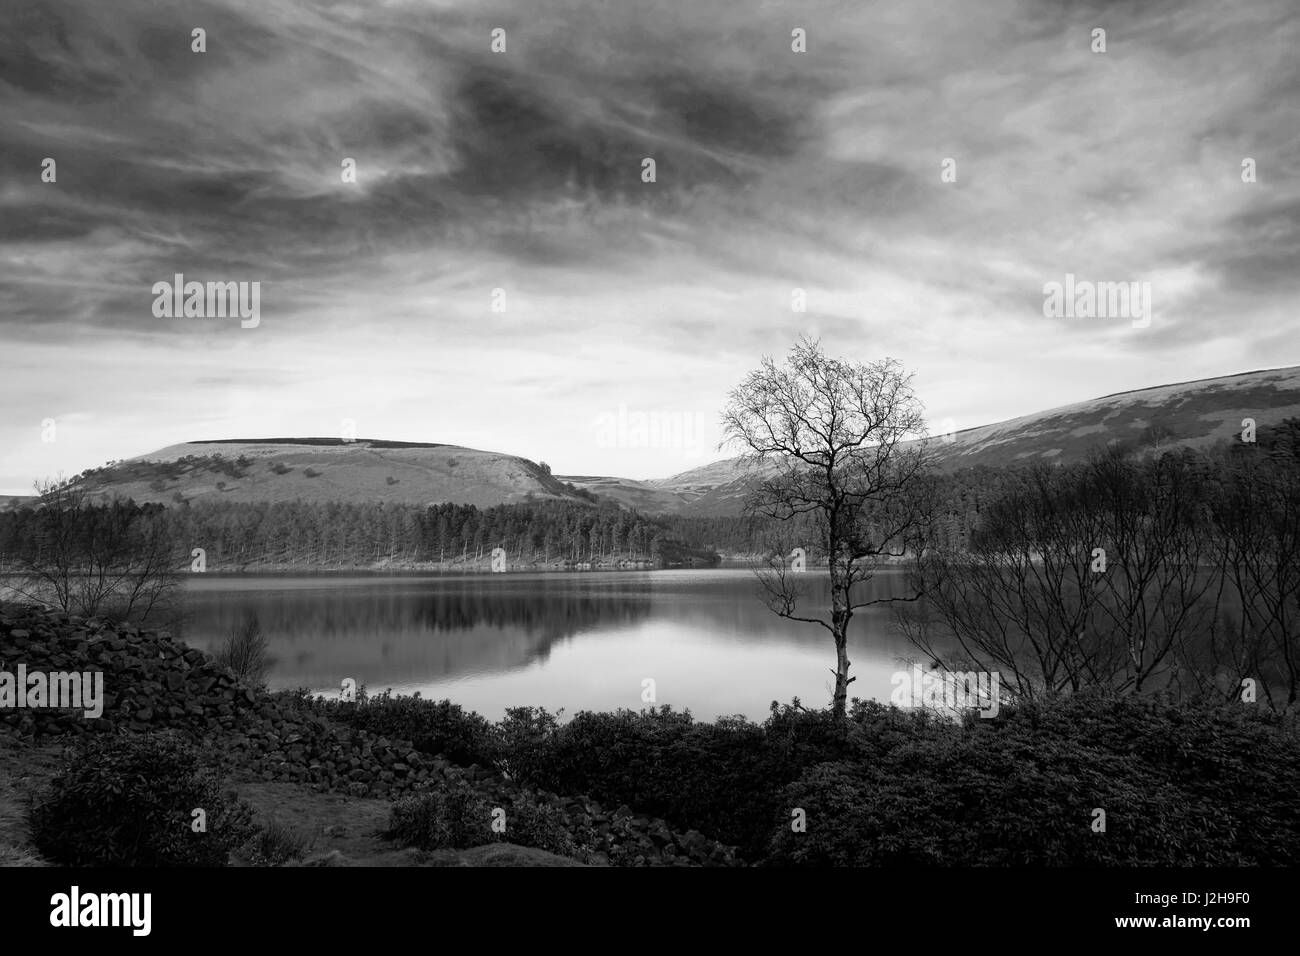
x=838, y=444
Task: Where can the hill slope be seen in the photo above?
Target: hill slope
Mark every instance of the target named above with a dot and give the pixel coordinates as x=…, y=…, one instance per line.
x=1188, y=414
x=643, y=496
x=1194, y=414
x=327, y=469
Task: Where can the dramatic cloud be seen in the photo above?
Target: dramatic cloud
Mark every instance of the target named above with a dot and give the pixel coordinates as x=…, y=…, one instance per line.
x=522, y=171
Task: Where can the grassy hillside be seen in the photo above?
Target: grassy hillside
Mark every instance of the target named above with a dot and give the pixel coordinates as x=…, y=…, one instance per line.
x=643, y=496
x=325, y=469
x=1195, y=414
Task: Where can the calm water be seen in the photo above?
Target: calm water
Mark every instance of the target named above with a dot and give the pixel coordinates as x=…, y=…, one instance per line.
x=572, y=641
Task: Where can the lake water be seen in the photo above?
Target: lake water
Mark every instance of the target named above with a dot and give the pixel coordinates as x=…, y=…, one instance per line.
x=573, y=641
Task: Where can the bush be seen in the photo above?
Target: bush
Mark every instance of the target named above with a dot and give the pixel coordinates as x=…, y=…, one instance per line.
x=244, y=653
x=276, y=844
x=523, y=742
x=944, y=801
x=456, y=816
x=1180, y=786
x=128, y=801
x=433, y=727
x=721, y=778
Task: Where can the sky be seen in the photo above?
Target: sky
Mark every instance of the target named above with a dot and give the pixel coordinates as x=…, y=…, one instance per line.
x=500, y=275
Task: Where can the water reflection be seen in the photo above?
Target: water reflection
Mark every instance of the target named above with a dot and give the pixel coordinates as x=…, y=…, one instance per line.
x=558, y=640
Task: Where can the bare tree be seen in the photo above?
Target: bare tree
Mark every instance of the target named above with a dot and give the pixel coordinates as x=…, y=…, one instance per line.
x=1021, y=597
x=1092, y=575
x=1156, y=592
x=837, y=442
x=91, y=559
x=245, y=651
x=1257, y=519
x=1156, y=436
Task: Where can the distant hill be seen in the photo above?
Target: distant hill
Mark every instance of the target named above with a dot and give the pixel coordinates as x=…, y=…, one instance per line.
x=643, y=496
x=1193, y=414
x=327, y=469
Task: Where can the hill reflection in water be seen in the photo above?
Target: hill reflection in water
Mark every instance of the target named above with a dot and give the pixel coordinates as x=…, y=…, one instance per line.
x=577, y=641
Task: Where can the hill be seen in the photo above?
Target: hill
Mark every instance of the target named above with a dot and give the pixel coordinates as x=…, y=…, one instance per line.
x=646, y=497
x=1193, y=414
x=327, y=469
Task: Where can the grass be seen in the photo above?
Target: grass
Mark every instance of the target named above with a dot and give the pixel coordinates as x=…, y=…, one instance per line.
x=22, y=770
x=277, y=844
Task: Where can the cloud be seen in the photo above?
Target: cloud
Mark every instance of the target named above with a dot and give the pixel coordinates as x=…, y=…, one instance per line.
x=522, y=171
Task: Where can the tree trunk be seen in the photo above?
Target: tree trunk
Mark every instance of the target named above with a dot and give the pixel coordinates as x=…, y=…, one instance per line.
x=840, y=614
x=839, y=707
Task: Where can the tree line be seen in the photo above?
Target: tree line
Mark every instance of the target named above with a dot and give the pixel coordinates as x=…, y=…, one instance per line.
x=1178, y=573
x=88, y=556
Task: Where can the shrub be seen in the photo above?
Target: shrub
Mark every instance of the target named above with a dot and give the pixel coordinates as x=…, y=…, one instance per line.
x=128, y=801
x=280, y=468
x=719, y=778
x=433, y=727
x=1180, y=786
x=523, y=741
x=245, y=652
x=276, y=844
x=312, y=473
x=456, y=816
x=948, y=801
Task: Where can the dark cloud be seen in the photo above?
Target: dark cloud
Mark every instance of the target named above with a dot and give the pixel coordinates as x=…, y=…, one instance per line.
x=523, y=171
x=1264, y=255
x=717, y=117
